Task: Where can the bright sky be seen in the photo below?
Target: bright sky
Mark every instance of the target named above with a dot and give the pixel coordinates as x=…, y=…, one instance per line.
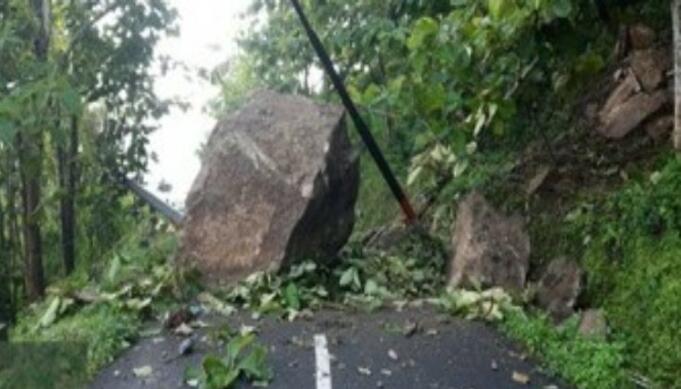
x=207, y=38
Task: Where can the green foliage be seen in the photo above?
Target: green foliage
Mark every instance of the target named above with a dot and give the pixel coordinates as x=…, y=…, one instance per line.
x=451, y=76
x=365, y=279
x=632, y=249
x=289, y=294
x=106, y=331
x=71, y=115
x=243, y=358
x=585, y=362
x=104, y=308
x=488, y=305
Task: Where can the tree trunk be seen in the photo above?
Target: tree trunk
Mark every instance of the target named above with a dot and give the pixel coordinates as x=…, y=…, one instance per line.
x=30, y=152
x=12, y=243
x=30, y=159
x=676, y=22
x=5, y=276
x=68, y=181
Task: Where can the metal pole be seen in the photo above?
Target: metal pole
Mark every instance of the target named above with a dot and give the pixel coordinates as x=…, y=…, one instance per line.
x=154, y=202
x=361, y=126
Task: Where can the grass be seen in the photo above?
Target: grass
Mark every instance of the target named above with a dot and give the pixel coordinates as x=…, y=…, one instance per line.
x=642, y=303
x=105, y=330
x=630, y=243
x=585, y=362
x=134, y=281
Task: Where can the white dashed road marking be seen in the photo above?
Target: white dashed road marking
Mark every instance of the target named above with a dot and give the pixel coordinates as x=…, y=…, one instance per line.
x=321, y=350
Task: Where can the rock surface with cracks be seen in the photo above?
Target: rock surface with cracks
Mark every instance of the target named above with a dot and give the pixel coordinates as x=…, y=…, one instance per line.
x=278, y=181
x=490, y=249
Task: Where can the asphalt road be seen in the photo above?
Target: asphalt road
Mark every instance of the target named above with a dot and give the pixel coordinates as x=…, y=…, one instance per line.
x=377, y=350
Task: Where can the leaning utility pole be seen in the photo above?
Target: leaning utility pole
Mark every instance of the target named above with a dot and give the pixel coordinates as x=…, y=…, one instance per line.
x=361, y=126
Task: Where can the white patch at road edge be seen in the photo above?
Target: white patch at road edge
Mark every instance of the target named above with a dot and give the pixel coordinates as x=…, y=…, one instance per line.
x=323, y=372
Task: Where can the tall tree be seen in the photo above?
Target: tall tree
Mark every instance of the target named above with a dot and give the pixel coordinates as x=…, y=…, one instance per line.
x=30, y=146
x=676, y=23
x=67, y=165
x=5, y=271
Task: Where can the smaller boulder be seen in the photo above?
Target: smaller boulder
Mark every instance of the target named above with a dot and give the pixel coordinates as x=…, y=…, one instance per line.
x=559, y=288
x=490, y=249
x=660, y=128
x=593, y=324
x=628, y=115
x=641, y=37
x=650, y=67
x=624, y=90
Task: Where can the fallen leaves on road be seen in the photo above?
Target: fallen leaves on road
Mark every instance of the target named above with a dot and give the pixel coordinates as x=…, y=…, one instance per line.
x=488, y=305
x=520, y=378
x=143, y=371
x=183, y=330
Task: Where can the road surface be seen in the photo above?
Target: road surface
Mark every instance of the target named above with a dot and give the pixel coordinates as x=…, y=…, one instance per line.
x=413, y=349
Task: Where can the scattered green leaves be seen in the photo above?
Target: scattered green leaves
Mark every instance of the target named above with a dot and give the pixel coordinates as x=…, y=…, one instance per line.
x=488, y=305
x=243, y=358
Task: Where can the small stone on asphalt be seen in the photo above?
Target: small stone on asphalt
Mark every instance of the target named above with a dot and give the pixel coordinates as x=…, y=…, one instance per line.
x=186, y=346
x=520, y=378
x=410, y=329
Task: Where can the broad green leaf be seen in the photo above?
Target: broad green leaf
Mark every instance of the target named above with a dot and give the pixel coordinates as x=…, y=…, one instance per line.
x=292, y=296
x=494, y=7
x=254, y=366
x=497, y=8
x=562, y=8
x=137, y=304
x=371, y=94
x=371, y=288
x=50, y=315
x=350, y=277
x=423, y=29
x=414, y=174
x=217, y=374
x=431, y=98
x=236, y=346
x=114, y=269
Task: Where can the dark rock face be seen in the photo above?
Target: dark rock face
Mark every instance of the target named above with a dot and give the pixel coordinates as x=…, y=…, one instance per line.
x=559, y=288
x=278, y=181
x=490, y=249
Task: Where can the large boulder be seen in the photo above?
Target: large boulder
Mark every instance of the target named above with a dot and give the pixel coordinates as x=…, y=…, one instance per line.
x=278, y=181
x=490, y=249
